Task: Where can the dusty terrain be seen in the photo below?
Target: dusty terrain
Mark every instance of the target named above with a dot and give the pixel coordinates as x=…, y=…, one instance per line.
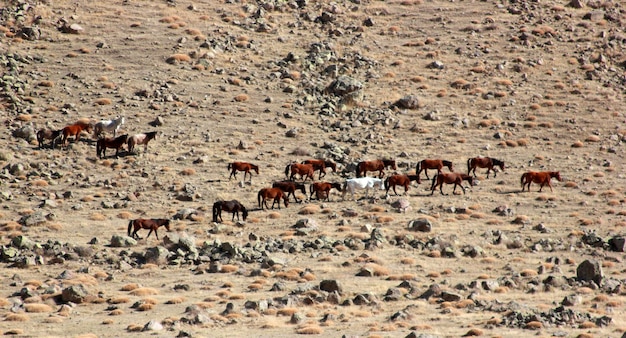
x=539, y=85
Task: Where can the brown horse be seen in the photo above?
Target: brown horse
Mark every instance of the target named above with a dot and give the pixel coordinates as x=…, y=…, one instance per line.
x=376, y=165
x=321, y=165
x=450, y=178
x=424, y=165
x=402, y=180
x=242, y=166
x=290, y=187
x=75, y=130
x=48, y=134
x=109, y=142
x=540, y=177
x=140, y=139
x=144, y=223
x=271, y=193
x=322, y=190
x=484, y=162
x=305, y=171
x=233, y=206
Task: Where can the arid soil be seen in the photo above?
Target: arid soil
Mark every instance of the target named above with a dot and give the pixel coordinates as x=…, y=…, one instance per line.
x=537, y=84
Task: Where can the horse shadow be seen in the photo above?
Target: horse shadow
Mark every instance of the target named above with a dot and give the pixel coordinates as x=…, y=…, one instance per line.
x=123, y=153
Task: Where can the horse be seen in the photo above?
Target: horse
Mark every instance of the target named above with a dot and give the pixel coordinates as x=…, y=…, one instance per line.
x=402, y=180
x=424, y=165
x=450, y=178
x=48, y=134
x=484, y=162
x=108, y=142
x=108, y=126
x=304, y=170
x=540, y=177
x=380, y=165
x=242, y=166
x=139, y=139
x=321, y=165
x=233, y=206
x=322, y=190
x=75, y=130
x=366, y=183
x=144, y=223
x=290, y=187
x=271, y=193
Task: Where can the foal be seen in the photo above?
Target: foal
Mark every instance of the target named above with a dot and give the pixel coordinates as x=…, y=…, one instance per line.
x=242, y=166
x=450, y=178
x=424, y=165
x=48, y=134
x=271, y=193
x=322, y=190
x=484, y=162
x=290, y=187
x=233, y=206
x=540, y=177
x=143, y=223
x=402, y=180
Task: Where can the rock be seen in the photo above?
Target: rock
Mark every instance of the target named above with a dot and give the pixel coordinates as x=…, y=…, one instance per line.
x=23, y=242
x=186, y=213
x=433, y=291
x=157, y=255
x=344, y=85
x=576, y=4
x=393, y=294
x=421, y=225
x=119, y=241
x=331, y=285
x=152, y=325
x=618, y=243
x=402, y=205
x=293, y=132
x=33, y=219
x=450, y=297
x=407, y=102
x=590, y=270
x=26, y=132
x=436, y=65
x=571, y=300
x=75, y=294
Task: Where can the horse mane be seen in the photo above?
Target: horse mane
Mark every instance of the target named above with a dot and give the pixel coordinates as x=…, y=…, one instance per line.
x=446, y=163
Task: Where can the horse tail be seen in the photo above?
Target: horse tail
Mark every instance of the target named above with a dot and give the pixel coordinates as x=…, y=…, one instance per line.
x=230, y=165
x=418, y=168
x=522, y=179
x=358, y=170
x=259, y=198
x=387, y=183
x=215, y=206
x=432, y=186
x=311, y=189
x=287, y=170
x=130, y=226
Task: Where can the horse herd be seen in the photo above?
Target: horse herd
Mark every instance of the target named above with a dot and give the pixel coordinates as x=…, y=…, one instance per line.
x=102, y=142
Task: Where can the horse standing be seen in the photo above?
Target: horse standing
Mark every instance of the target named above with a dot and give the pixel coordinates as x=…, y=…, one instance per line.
x=438, y=164
x=290, y=187
x=271, y=193
x=305, y=171
x=540, y=177
x=360, y=183
x=108, y=126
x=233, y=206
x=450, y=178
x=48, y=134
x=484, y=162
x=144, y=223
x=321, y=165
x=401, y=180
x=108, y=142
x=376, y=165
x=139, y=139
x=75, y=130
x=322, y=190
x=242, y=166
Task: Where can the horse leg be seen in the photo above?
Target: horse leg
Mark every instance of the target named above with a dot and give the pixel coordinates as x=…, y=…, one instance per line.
x=156, y=234
x=149, y=232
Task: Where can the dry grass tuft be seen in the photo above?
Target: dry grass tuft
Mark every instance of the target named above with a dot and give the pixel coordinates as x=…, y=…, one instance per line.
x=97, y=217
x=241, y=98
x=287, y=311
x=146, y=307
x=130, y=287
x=474, y=332
x=310, y=329
x=125, y=215
x=188, y=172
x=376, y=269
x=309, y=209
x=144, y=291
x=229, y=268
x=46, y=83
x=103, y=101
x=577, y=144
x=176, y=58
x=39, y=183
x=38, y=308
x=16, y=317
x=273, y=215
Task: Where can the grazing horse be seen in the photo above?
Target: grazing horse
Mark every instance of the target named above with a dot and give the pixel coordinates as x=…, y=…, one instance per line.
x=109, y=142
x=139, y=139
x=271, y=193
x=540, y=177
x=450, y=178
x=48, y=134
x=376, y=165
x=75, y=130
x=143, y=223
x=321, y=165
x=361, y=183
x=402, y=180
x=108, y=126
x=233, y=206
x=322, y=190
x=242, y=166
x=484, y=162
x=424, y=165
x=304, y=170
x=290, y=187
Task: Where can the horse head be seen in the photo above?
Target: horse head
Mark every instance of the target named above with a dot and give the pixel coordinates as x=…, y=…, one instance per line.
x=332, y=165
x=256, y=168
x=557, y=175
x=244, y=212
x=166, y=224
x=499, y=164
x=336, y=186
x=301, y=187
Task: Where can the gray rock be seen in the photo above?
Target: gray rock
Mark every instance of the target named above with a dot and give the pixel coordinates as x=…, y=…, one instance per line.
x=33, y=219
x=152, y=325
x=344, y=85
x=75, y=294
x=618, y=243
x=571, y=300
x=421, y=225
x=408, y=102
x=590, y=270
x=331, y=285
x=450, y=297
x=23, y=242
x=119, y=241
x=26, y=132
x=157, y=255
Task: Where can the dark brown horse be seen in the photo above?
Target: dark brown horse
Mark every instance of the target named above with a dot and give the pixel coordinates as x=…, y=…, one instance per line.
x=75, y=130
x=401, y=180
x=450, y=178
x=322, y=190
x=376, y=165
x=242, y=166
x=290, y=187
x=139, y=139
x=109, y=142
x=540, y=177
x=271, y=193
x=233, y=206
x=438, y=164
x=144, y=223
x=484, y=162
x=48, y=134
x=321, y=165
x=305, y=171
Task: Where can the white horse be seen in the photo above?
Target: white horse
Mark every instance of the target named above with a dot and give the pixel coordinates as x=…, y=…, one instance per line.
x=108, y=126
x=361, y=183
